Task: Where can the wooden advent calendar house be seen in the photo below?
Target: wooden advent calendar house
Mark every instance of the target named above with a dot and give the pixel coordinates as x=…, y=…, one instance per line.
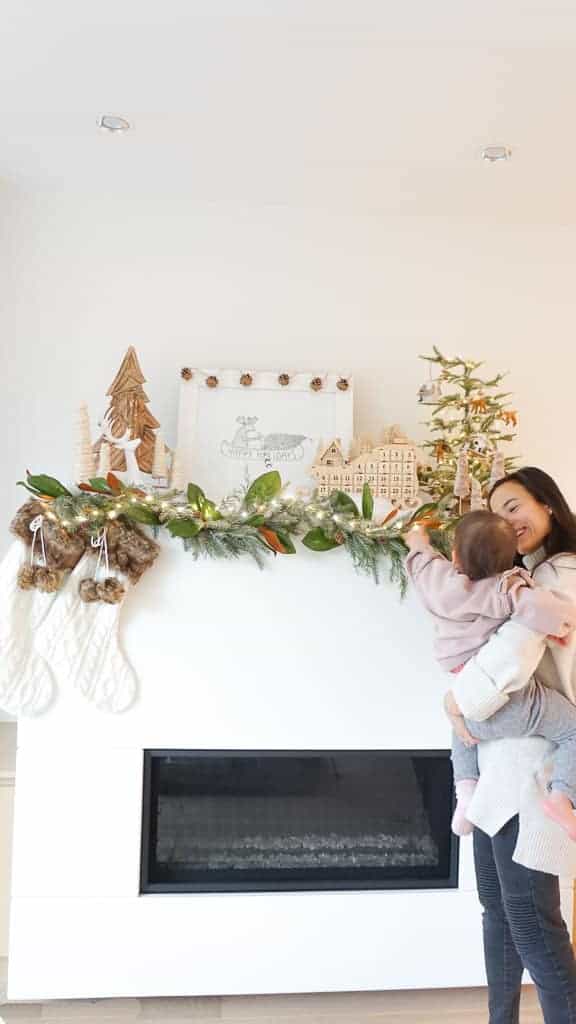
x=388, y=467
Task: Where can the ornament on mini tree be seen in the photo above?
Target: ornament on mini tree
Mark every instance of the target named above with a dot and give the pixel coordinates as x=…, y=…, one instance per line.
x=476, y=499
x=430, y=392
x=462, y=479
x=128, y=417
x=498, y=469
x=83, y=455
x=469, y=413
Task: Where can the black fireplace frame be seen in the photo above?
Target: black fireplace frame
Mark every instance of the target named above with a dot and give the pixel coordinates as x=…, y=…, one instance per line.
x=148, y=837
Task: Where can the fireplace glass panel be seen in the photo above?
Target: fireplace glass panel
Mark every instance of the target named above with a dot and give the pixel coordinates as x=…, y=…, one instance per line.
x=252, y=820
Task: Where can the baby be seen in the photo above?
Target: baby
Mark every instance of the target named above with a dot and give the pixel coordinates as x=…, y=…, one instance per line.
x=469, y=598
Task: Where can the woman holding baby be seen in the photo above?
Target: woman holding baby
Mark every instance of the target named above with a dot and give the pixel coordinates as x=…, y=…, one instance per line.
x=521, y=810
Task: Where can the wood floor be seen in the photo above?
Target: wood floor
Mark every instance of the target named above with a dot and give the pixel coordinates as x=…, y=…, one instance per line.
x=449, y=1006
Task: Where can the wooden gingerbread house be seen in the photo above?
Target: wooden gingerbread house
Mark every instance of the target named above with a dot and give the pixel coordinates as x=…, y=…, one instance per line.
x=389, y=467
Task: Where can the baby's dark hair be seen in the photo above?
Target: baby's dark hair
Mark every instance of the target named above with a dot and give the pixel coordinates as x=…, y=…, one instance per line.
x=485, y=544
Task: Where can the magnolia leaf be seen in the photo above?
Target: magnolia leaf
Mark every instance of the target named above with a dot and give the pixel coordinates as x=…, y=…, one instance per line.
x=183, y=527
x=98, y=483
x=47, y=485
x=141, y=514
x=86, y=487
x=264, y=488
x=367, y=502
x=286, y=541
x=20, y=483
x=278, y=540
x=389, y=515
x=209, y=510
x=318, y=540
x=195, y=496
x=424, y=512
x=256, y=520
x=114, y=483
x=341, y=502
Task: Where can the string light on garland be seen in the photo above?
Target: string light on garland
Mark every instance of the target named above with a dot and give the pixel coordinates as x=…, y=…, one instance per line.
x=264, y=521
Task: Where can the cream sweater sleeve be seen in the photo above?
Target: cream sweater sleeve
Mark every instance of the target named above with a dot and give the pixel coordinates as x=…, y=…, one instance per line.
x=505, y=663
x=509, y=659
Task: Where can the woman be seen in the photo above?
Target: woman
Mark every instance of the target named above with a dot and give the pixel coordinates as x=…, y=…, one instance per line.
x=518, y=852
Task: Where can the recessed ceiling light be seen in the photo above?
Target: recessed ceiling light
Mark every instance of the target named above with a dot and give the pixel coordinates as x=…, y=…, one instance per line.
x=494, y=153
x=111, y=123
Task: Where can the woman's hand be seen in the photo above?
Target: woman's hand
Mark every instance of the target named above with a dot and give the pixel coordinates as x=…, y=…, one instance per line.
x=450, y=705
x=457, y=720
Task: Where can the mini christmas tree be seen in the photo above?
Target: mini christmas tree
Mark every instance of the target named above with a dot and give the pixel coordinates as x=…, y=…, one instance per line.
x=462, y=478
x=104, y=461
x=177, y=480
x=128, y=412
x=469, y=414
x=84, y=462
x=160, y=463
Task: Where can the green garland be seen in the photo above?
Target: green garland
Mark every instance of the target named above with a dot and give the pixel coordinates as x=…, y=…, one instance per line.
x=261, y=521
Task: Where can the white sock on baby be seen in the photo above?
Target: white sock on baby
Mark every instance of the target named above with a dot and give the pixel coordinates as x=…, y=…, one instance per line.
x=464, y=792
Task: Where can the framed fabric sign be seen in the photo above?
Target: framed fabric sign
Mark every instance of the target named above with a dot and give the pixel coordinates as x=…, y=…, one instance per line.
x=235, y=425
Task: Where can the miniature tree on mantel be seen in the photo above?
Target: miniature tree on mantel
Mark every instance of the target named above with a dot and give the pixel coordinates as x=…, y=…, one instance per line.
x=469, y=415
x=128, y=411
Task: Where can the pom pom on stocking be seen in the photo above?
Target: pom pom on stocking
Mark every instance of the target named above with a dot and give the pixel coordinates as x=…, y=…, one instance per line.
x=25, y=578
x=47, y=580
x=110, y=590
x=88, y=590
x=39, y=577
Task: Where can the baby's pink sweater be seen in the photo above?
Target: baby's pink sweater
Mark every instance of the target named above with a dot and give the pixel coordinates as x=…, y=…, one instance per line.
x=466, y=612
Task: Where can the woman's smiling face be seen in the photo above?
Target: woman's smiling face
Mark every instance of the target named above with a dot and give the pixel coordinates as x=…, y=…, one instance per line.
x=529, y=518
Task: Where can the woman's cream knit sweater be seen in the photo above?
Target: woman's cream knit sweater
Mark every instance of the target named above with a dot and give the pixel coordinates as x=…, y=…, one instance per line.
x=513, y=772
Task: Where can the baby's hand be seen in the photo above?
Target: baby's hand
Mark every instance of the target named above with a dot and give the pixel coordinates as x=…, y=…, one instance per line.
x=459, y=727
x=417, y=538
x=457, y=720
x=514, y=579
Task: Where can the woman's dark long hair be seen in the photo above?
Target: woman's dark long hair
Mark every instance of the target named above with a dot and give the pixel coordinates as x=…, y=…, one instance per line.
x=545, y=490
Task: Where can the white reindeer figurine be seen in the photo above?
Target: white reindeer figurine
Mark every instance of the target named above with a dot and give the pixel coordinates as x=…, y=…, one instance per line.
x=128, y=446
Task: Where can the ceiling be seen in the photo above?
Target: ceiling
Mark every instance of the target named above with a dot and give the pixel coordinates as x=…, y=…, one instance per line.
x=360, y=106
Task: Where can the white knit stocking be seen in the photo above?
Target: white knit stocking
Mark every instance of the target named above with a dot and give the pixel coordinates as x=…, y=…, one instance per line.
x=100, y=669
x=26, y=681
x=83, y=646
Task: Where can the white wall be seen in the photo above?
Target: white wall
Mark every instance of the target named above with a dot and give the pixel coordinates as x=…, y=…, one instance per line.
x=271, y=286
x=7, y=767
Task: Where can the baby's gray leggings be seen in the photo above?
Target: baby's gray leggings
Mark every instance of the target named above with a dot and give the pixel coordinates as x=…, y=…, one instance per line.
x=536, y=710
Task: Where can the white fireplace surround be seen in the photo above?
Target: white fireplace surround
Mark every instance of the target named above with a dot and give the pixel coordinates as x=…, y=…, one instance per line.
x=304, y=655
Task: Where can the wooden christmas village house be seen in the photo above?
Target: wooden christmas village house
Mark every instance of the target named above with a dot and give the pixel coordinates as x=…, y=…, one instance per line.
x=388, y=467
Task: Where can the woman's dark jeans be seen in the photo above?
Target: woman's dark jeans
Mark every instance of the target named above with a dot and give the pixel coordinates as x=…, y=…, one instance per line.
x=522, y=927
